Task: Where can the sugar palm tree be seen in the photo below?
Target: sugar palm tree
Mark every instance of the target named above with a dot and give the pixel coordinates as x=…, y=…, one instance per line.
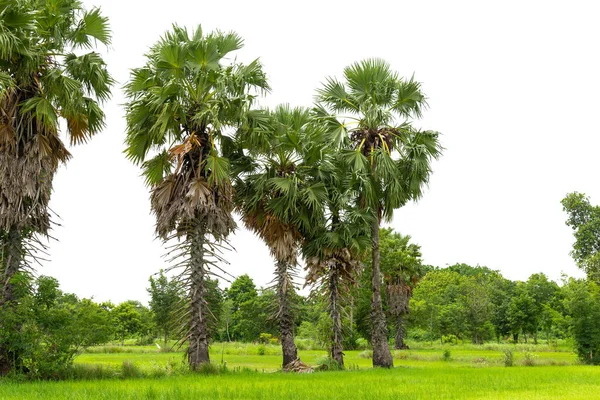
x=390, y=160
x=401, y=268
x=334, y=249
x=279, y=199
x=47, y=75
x=183, y=105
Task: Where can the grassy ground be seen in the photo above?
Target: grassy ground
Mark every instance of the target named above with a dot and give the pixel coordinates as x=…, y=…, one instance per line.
x=473, y=372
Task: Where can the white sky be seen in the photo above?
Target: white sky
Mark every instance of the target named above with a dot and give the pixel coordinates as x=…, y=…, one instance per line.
x=512, y=85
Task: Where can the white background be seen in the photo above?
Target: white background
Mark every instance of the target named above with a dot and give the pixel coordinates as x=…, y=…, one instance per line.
x=513, y=86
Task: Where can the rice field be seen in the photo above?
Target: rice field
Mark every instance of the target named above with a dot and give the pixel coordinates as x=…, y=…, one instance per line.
x=241, y=372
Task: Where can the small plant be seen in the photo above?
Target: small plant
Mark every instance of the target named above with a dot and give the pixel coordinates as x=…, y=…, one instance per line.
x=508, y=358
x=529, y=359
x=366, y=354
x=446, y=355
x=261, y=350
x=265, y=338
x=130, y=370
x=328, y=364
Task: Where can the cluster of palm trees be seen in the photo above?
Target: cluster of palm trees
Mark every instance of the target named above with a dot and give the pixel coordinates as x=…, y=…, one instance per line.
x=313, y=183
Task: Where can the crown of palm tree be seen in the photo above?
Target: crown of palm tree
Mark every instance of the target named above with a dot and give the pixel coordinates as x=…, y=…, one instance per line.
x=183, y=106
x=279, y=196
x=47, y=73
x=369, y=114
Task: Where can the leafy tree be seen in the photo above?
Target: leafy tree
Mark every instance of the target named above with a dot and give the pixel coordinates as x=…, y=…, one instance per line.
x=279, y=198
x=127, y=319
x=389, y=159
x=181, y=107
x=49, y=328
x=582, y=302
x=165, y=296
x=584, y=219
x=44, y=81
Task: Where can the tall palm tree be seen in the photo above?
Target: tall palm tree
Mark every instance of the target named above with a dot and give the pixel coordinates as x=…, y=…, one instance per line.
x=279, y=199
x=334, y=249
x=390, y=159
x=183, y=107
x=401, y=268
x=47, y=75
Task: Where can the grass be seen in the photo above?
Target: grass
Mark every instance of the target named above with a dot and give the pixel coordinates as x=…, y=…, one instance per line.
x=472, y=372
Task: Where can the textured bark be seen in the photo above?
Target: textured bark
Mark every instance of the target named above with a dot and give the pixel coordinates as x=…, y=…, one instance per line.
x=286, y=320
x=198, y=342
x=382, y=356
x=399, y=339
x=336, y=316
x=11, y=256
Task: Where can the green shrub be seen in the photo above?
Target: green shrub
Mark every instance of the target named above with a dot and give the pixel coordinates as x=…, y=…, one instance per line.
x=261, y=350
x=446, y=355
x=508, y=358
x=130, y=370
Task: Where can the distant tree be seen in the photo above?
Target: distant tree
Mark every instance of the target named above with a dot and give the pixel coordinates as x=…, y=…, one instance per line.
x=402, y=268
x=127, y=319
x=582, y=302
x=584, y=219
x=165, y=296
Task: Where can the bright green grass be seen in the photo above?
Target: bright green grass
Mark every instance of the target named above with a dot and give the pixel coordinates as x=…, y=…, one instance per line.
x=433, y=382
x=474, y=372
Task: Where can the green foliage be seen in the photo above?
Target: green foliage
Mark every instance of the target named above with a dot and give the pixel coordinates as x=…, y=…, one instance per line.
x=165, y=296
x=584, y=219
x=508, y=358
x=582, y=302
x=446, y=355
x=47, y=329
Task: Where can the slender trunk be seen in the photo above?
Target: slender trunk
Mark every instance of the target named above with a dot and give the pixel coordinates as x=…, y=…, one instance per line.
x=286, y=321
x=336, y=317
x=11, y=257
x=166, y=340
x=382, y=356
x=198, y=339
x=399, y=339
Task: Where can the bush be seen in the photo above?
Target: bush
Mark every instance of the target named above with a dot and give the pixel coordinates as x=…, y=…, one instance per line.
x=261, y=350
x=328, y=364
x=362, y=344
x=529, y=359
x=366, y=354
x=508, y=358
x=130, y=370
x=446, y=355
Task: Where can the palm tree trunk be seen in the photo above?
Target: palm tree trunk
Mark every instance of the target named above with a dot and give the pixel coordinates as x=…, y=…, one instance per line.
x=198, y=342
x=399, y=339
x=382, y=356
x=286, y=320
x=336, y=316
x=11, y=257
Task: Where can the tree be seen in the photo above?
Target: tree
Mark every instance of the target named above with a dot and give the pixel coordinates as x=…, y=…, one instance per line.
x=584, y=219
x=390, y=160
x=402, y=268
x=279, y=198
x=44, y=81
x=127, y=320
x=182, y=106
x=164, y=300
x=335, y=248
x=582, y=302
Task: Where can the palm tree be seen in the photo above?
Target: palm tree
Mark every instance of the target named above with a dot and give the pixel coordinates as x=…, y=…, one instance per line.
x=280, y=199
x=44, y=79
x=390, y=160
x=183, y=106
x=334, y=249
x=401, y=268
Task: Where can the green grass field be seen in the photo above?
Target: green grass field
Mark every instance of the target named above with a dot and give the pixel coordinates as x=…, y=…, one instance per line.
x=473, y=372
